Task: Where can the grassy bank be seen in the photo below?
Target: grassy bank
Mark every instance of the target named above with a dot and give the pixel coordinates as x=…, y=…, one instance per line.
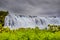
x=29, y=34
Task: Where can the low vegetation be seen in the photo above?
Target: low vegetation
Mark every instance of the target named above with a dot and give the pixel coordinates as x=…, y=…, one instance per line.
x=30, y=33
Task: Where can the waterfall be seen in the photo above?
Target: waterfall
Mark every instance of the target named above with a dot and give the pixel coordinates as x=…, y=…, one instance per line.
x=13, y=21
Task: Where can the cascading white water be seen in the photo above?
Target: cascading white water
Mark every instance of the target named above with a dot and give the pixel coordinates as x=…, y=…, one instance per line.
x=13, y=21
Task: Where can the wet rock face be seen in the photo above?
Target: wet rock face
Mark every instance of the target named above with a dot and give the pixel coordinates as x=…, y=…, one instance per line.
x=14, y=21
x=2, y=17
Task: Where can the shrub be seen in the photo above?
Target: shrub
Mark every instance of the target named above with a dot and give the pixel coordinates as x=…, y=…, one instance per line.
x=2, y=17
x=28, y=34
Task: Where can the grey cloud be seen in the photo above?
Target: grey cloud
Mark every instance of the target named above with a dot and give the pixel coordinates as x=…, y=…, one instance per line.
x=31, y=7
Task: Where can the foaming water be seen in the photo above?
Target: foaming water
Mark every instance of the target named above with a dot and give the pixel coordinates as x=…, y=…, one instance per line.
x=13, y=21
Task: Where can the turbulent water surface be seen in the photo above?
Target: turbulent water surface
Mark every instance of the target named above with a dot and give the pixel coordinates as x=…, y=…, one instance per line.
x=14, y=21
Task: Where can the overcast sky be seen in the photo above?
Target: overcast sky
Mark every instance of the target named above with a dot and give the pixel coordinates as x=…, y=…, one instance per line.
x=32, y=7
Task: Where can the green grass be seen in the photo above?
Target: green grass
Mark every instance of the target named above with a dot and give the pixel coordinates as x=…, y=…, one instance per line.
x=28, y=34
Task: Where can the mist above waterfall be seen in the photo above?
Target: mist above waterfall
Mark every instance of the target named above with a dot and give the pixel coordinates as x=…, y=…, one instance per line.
x=31, y=7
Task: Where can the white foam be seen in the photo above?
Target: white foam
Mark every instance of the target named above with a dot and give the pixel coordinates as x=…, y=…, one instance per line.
x=14, y=22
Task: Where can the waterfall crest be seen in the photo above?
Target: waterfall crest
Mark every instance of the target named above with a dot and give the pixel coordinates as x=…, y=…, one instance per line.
x=13, y=21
